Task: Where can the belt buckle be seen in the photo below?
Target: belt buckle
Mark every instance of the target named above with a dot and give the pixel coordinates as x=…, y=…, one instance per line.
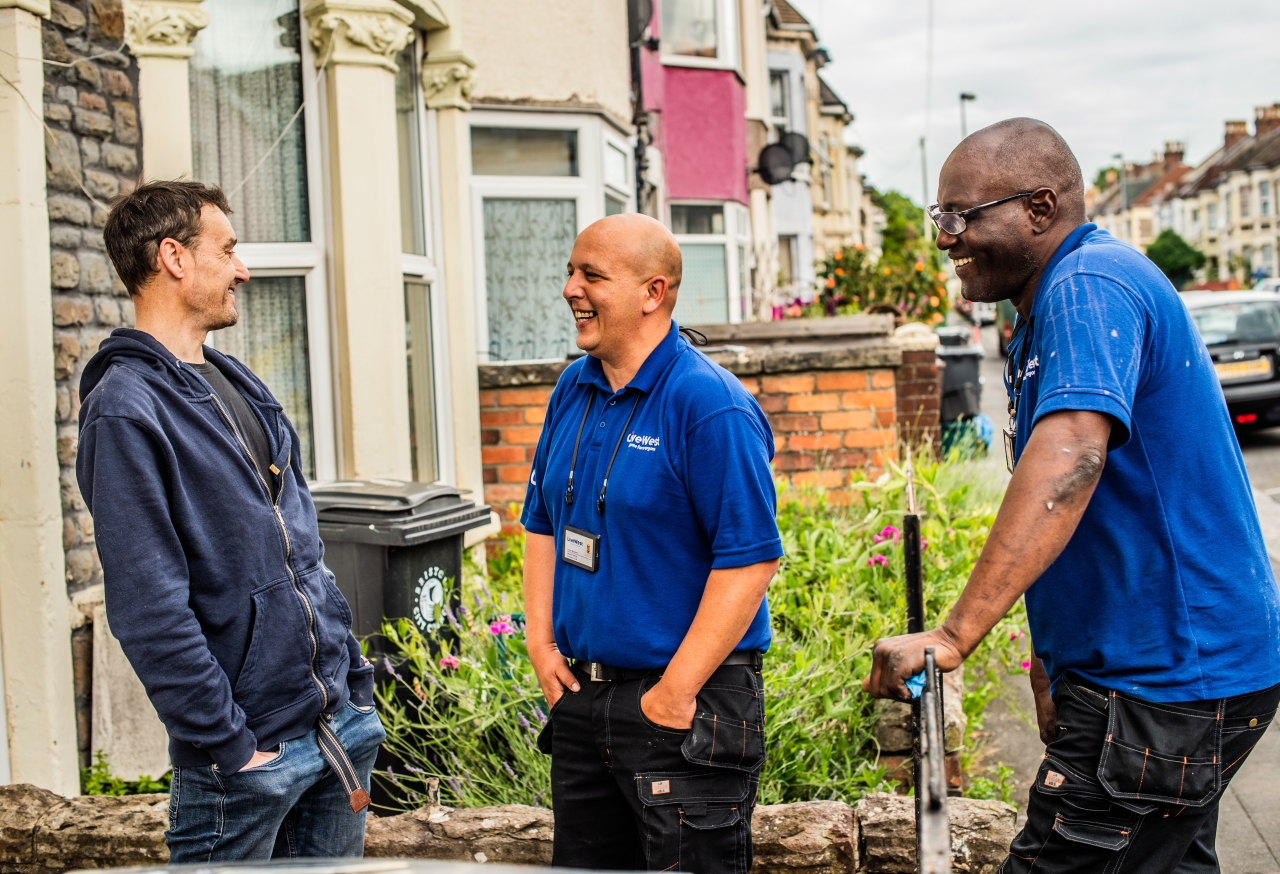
x=597, y=673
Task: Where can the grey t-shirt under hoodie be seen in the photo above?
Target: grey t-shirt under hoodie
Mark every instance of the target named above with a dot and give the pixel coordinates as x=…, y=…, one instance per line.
x=246, y=421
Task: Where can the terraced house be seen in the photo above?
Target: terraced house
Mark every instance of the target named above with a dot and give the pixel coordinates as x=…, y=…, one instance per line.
x=407, y=177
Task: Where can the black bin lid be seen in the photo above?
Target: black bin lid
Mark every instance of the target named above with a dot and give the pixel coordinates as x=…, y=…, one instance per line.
x=394, y=512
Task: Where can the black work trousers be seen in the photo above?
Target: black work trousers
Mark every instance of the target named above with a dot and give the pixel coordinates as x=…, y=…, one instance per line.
x=1133, y=786
x=629, y=794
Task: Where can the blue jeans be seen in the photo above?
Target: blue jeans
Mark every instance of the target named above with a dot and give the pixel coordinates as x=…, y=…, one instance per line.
x=292, y=806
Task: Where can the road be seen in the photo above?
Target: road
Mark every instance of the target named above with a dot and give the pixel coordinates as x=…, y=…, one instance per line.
x=1249, y=823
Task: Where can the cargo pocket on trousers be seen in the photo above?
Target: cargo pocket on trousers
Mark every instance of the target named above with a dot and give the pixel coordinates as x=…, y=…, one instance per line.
x=727, y=728
x=1161, y=753
x=695, y=821
x=1075, y=845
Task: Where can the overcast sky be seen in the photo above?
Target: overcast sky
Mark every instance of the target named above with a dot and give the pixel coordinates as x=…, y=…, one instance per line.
x=1110, y=75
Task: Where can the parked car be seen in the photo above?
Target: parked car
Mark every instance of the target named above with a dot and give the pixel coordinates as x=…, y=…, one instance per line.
x=1242, y=332
x=1004, y=316
x=1271, y=283
x=978, y=313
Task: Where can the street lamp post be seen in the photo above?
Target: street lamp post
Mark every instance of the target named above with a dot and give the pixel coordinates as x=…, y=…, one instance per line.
x=965, y=97
x=1124, y=197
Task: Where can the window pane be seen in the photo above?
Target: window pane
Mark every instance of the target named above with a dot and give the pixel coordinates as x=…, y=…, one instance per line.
x=787, y=258
x=246, y=87
x=422, y=390
x=689, y=27
x=615, y=166
x=271, y=339
x=703, y=298
x=413, y=234
x=613, y=206
x=778, y=94
x=688, y=218
x=1238, y=323
x=526, y=245
x=507, y=151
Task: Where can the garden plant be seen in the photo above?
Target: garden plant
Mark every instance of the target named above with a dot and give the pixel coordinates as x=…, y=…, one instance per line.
x=469, y=713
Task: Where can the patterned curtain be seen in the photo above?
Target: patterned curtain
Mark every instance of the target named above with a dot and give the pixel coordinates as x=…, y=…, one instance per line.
x=526, y=245
x=271, y=338
x=246, y=85
x=703, y=298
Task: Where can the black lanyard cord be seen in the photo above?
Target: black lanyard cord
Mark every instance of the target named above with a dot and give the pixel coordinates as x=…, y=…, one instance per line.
x=577, y=441
x=568, y=490
x=616, y=447
x=1024, y=352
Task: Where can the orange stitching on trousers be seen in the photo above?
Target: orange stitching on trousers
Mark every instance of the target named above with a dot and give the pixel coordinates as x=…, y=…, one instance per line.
x=1143, y=775
x=1239, y=760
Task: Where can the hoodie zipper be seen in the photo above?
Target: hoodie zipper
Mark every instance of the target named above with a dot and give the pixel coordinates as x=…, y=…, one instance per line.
x=288, y=549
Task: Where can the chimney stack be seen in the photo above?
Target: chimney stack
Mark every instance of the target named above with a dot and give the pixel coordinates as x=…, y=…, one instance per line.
x=1173, y=152
x=1266, y=119
x=1236, y=131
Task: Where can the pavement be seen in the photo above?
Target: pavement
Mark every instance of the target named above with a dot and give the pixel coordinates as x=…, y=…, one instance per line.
x=1249, y=818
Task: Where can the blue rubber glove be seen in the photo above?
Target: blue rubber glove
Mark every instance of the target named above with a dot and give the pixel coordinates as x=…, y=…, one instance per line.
x=915, y=685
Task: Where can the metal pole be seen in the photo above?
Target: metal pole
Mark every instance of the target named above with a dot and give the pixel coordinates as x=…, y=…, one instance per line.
x=965, y=97
x=924, y=177
x=1124, y=197
x=933, y=826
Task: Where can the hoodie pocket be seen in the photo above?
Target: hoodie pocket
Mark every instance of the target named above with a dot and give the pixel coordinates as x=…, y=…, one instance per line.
x=276, y=669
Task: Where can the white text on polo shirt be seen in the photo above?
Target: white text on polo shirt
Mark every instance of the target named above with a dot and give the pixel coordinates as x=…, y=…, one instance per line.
x=640, y=441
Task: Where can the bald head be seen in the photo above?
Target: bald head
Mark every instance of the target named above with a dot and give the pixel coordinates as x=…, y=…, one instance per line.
x=645, y=245
x=1022, y=154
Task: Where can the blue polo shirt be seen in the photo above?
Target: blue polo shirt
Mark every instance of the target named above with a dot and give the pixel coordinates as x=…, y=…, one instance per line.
x=690, y=491
x=1165, y=590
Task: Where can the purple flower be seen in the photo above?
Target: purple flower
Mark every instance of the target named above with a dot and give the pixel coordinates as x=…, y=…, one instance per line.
x=877, y=559
x=524, y=723
x=539, y=715
x=887, y=533
x=507, y=767
x=449, y=663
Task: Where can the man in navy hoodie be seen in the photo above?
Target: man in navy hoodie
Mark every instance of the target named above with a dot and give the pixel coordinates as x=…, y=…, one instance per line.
x=212, y=562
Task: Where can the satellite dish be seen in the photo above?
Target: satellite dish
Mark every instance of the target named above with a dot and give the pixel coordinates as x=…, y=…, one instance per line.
x=798, y=146
x=775, y=163
x=639, y=14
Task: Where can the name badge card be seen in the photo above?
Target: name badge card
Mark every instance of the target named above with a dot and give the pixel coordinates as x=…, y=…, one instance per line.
x=581, y=548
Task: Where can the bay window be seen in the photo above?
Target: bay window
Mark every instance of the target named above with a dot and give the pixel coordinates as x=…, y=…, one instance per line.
x=700, y=33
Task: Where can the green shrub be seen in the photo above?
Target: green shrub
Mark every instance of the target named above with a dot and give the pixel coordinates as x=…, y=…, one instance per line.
x=470, y=716
x=97, y=779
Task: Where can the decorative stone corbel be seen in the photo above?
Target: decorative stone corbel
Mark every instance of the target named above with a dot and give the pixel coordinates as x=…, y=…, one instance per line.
x=162, y=28
x=361, y=32
x=448, y=78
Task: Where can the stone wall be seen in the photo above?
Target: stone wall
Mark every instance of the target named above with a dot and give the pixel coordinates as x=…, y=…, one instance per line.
x=44, y=833
x=837, y=402
x=92, y=150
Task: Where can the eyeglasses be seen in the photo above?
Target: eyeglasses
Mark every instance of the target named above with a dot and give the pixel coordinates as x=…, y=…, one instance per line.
x=953, y=222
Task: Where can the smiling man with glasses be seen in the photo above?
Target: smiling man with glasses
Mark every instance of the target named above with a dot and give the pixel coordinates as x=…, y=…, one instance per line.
x=1154, y=612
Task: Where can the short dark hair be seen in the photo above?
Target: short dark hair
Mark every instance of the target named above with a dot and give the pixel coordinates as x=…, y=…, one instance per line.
x=144, y=217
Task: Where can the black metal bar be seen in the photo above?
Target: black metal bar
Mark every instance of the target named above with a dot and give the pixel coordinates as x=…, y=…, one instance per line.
x=915, y=587
x=933, y=828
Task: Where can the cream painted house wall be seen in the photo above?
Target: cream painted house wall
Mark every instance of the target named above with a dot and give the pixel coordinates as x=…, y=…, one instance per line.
x=567, y=54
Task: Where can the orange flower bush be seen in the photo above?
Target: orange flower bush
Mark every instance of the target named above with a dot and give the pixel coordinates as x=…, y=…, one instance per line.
x=851, y=284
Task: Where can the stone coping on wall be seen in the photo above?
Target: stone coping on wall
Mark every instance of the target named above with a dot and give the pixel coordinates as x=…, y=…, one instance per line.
x=813, y=353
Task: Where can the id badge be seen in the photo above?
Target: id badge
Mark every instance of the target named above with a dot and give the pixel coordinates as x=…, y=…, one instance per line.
x=581, y=548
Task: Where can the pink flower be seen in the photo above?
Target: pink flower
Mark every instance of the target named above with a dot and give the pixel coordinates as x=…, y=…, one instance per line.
x=449, y=663
x=1026, y=666
x=877, y=559
x=886, y=533
x=1013, y=635
x=502, y=626
x=924, y=544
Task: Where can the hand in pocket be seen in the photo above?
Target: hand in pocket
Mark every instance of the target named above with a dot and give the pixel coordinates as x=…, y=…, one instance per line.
x=260, y=758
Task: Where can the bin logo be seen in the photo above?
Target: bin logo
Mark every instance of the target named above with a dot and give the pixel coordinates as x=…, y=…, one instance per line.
x=429, y=599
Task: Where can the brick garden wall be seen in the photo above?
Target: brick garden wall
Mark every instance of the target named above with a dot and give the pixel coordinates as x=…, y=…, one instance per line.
x=919, y=396
x=92, y=152
x=830, y=423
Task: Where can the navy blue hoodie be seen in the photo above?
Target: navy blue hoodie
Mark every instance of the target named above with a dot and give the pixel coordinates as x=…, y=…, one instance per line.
x=215, y=581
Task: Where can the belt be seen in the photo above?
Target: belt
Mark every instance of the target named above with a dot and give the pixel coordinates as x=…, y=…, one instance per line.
x=598, y=672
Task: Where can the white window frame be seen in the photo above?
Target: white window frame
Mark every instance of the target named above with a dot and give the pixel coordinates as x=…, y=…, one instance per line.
x=587, y=189
x=728, y=52
x=737, y=235
x=309, y=260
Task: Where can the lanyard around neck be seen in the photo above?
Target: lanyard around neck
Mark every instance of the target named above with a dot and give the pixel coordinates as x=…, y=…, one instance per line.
x=568, y=490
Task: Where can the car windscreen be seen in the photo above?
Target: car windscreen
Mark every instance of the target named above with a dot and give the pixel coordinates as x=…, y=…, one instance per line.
x=1247, y=322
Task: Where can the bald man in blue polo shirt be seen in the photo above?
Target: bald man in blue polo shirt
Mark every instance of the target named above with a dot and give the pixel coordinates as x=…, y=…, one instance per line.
x=651, y=541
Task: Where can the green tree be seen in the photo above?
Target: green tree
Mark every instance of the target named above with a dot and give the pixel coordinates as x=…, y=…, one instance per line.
x=902, y=243
x=1100, y=181
x=1176, y=258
